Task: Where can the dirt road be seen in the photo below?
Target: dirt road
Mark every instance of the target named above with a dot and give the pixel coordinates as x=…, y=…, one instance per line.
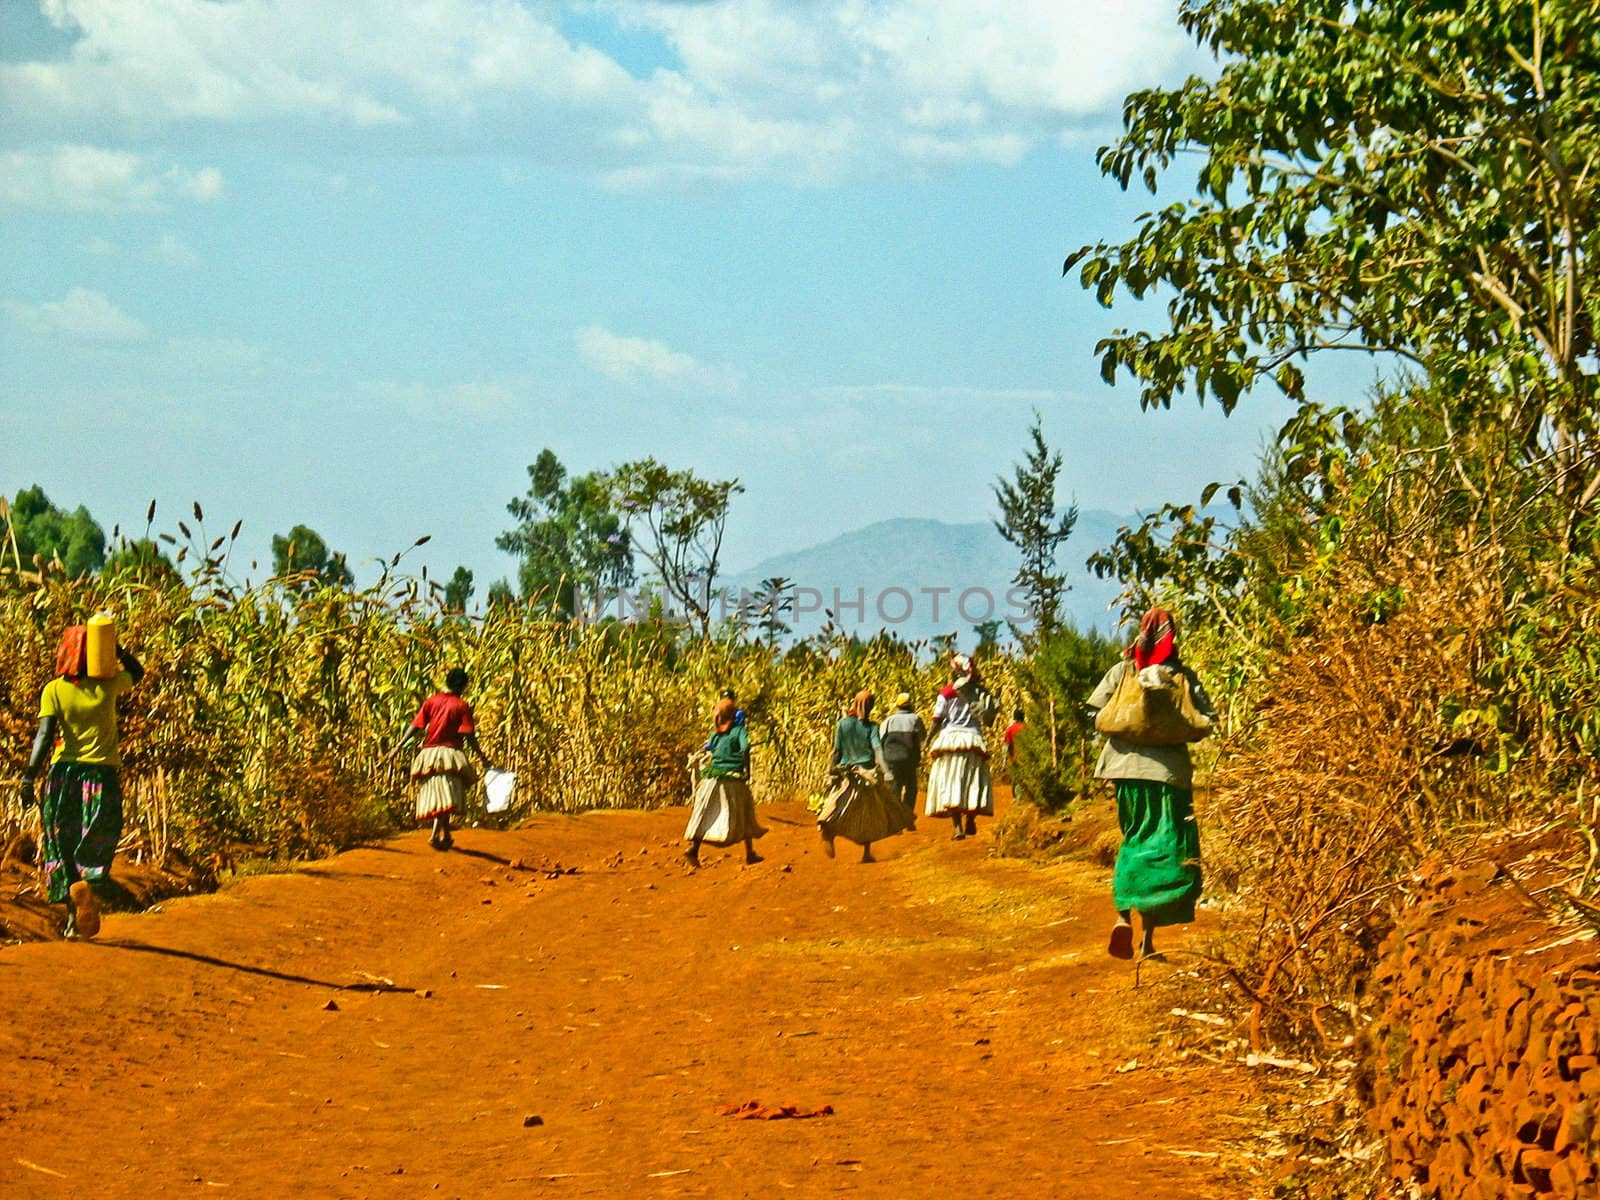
x=396, y=1022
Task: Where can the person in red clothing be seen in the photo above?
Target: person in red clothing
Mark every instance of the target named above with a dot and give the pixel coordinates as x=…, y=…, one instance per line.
x=441, y=769
x=1010, y=736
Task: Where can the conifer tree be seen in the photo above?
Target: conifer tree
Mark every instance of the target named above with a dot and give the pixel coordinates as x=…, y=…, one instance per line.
x=1030, y=521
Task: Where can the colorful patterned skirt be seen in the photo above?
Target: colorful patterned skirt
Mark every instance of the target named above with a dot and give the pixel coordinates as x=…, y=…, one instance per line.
x=863, y=811
x=82, y=816
x=1158, y=865
x=442, y=775
x=724, y=812
x=958, y=780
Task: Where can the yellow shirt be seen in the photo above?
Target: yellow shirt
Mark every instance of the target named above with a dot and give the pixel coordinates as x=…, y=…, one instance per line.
x=86, y=718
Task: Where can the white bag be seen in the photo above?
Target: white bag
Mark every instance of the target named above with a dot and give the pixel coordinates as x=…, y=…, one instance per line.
x=498, y=787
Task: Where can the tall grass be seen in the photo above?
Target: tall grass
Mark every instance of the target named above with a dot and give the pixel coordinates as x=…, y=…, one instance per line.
x=268, y=717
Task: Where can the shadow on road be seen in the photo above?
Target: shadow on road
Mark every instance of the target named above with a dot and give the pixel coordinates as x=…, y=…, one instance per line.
x=245, y=968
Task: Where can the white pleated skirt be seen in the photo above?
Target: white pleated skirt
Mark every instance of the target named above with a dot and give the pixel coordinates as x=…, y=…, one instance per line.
x=958, y=780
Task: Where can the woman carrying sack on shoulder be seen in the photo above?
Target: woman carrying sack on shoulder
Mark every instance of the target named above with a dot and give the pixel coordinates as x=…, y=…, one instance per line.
x=81, y=812
x=724, y=809
x=1151, y=706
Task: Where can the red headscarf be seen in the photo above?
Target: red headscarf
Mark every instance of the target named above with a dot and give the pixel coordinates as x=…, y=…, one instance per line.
x=722, y=715
x=1157, y=640
x=72, y=656
x=862, y=705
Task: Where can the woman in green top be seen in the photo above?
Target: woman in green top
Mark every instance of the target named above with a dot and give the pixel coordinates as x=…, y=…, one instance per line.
x=81, y=813
x=860, y=808
x=724, y=812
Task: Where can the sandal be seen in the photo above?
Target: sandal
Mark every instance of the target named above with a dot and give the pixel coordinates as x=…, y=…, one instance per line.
x=1121, y=940
x=85, y=908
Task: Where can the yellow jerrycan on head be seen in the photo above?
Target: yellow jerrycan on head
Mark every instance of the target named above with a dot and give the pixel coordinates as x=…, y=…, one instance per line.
x=101, y=646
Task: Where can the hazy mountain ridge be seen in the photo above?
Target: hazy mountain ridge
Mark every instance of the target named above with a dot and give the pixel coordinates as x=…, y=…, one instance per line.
x=895, y=573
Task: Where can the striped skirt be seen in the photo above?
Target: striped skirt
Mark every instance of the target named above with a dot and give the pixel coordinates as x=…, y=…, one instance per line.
x=724, y=813
x=863, y=811
x=442, y=775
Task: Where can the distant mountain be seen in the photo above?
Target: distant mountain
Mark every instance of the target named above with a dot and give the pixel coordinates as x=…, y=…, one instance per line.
x=919, y=578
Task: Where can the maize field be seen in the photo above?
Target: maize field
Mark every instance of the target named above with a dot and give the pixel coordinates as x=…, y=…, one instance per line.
x=269, y=718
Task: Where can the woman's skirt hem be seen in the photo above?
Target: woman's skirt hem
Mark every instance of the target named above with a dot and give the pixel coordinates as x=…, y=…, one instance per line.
x=724, y=813
x=863, y=812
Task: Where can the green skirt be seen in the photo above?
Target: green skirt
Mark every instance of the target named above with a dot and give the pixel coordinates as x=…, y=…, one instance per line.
x=1158, y=864
x=82, y=818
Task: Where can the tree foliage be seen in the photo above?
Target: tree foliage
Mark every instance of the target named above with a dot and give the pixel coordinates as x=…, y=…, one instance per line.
x=682, y=519
x=1412, y=179
x=572, y=542
x=1030, y=521
x=41, y=531
x=458, y=591
x=302, y=552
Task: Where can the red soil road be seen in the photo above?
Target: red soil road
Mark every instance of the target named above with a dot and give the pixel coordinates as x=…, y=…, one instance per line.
x=958, y=1012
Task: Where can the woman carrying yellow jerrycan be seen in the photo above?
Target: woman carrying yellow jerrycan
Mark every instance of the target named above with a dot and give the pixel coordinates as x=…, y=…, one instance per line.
x=81, y=812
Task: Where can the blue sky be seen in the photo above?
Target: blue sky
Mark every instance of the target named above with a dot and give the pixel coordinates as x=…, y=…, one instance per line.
x=354, y=265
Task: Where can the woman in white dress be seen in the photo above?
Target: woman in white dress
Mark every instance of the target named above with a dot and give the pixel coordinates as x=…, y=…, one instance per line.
x=958, y=781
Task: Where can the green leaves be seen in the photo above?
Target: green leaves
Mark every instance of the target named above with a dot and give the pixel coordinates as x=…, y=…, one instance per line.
x=1386, y=177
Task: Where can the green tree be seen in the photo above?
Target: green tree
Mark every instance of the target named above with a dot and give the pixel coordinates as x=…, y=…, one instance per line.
x=767, y=608
x=1030, y=521
x=1381, y=176
x=43, y=531
x=501, y=594
x=1055, y=762
x=303, y=550
x=458, y=592
x=683, y=518
x=572, y=543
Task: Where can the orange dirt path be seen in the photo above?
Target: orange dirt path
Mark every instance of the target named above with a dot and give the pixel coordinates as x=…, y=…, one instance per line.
x=958, y=1012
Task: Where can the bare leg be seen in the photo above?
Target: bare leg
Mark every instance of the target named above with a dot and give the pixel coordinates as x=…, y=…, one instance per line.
x=750, y=855
x=1147, y=942
x=692, y=854
x=444, y=831
x=960, y=832
x=827, y=839
x=866, y=853
x=971, y=824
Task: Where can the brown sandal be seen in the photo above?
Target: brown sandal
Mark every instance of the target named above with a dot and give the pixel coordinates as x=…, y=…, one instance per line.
x=85, y=908
x=1121, y=940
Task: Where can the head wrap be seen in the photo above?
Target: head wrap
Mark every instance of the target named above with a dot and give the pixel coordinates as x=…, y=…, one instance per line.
x=722, y=717
x=72, y=656
x=862, y=706
x=903, y=700
x=963, y=671
x=1157, y=641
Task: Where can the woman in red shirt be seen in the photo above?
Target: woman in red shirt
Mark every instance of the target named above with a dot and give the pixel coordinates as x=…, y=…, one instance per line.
x=441, y=768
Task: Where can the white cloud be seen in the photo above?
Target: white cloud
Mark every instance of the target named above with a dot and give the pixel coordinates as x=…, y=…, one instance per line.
x=746, y=89
x=83, y=315
x=95, y=179
x=631, y=359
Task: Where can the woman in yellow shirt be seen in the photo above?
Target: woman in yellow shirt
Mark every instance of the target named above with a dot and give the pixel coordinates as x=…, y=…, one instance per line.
x=81, y=811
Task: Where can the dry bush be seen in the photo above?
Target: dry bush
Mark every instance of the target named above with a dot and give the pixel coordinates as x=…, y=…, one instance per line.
x=1368, y=749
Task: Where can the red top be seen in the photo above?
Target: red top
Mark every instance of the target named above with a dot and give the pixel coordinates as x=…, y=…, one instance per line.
x=445, y=719
x=1010, y=737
